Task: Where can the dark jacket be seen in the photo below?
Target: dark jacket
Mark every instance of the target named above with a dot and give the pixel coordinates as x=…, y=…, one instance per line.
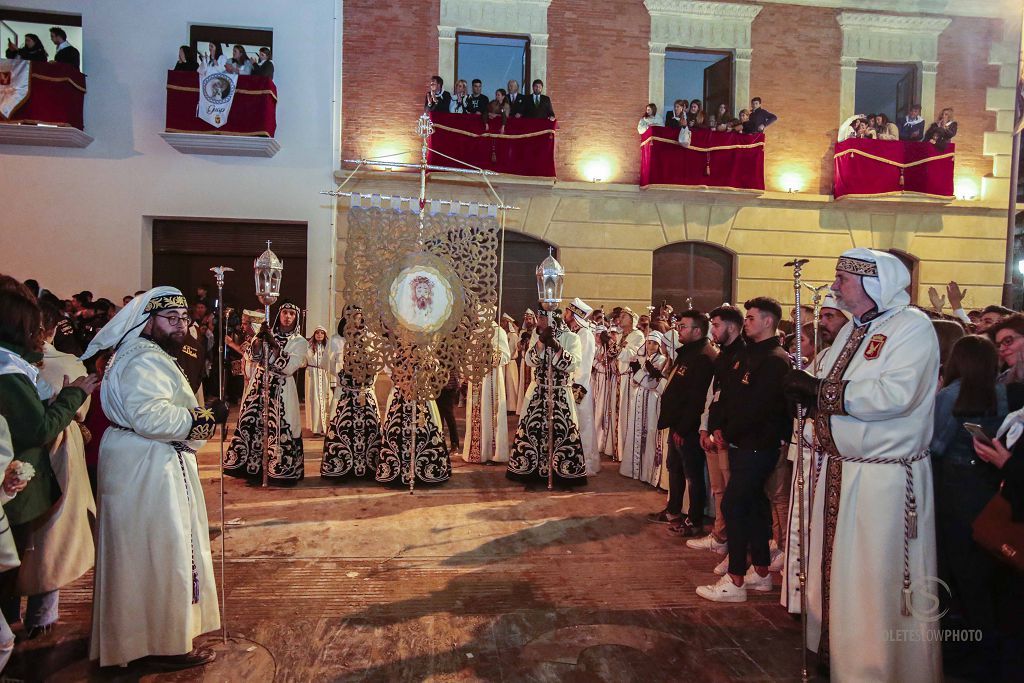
x=752, y=411
x=442, y=103
x=516, y=104
x=37, y=54
x=478, y=104
x=672, y=122
x=941, y=135
x=913, y=132
x=34, y=425
x=266, y=69
x=69, y=55
x=759, y=117
x=186, y=66
x=682, y=404
x=541, y=110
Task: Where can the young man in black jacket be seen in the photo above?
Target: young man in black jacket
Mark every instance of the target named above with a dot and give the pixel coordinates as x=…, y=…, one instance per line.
x=751, y=418
x=685, y=389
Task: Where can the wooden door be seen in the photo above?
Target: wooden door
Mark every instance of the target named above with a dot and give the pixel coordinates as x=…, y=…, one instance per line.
x=718, y=86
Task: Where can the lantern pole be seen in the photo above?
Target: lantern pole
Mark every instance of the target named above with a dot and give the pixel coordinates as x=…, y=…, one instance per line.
x=267, y=269
x=550, y=278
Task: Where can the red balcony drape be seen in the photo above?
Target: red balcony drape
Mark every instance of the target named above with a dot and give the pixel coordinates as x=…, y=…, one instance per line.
x=526, y=147
x=253, y=111
x=877, y=168
x=56, y=96
x=721, y=160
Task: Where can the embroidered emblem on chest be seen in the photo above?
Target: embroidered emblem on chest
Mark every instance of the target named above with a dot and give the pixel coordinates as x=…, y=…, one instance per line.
x=875, y=345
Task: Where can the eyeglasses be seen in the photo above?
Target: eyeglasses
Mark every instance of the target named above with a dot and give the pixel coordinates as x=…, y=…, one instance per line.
x=1008, y=340
x=175, y=320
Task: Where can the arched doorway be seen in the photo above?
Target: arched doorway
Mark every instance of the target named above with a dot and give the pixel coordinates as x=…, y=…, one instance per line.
x=523, y=254
x=698, y=270
x=911, y=262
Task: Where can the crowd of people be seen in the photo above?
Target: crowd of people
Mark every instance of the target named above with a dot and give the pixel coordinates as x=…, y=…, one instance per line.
x=910, y=128
x=32, y=49
x=240, y=62
x=675, y=399
x=468, y=98
x=687, y=115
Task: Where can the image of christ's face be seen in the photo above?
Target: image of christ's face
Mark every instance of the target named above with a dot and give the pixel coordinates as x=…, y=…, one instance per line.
x=422, y=293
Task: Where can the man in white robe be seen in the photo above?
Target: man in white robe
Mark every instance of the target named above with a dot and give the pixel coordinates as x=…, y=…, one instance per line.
x=631, y=341
x=486, y=414
x=576, y=314
x=508, y=324
x=871, y=591
x=154, y=585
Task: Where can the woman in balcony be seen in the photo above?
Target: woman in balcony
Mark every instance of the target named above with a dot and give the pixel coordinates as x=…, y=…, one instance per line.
x=650, y=118
x=726, y=121
x=460, y=98
x=32, y=50
x=943, y=130
x=239, y=62
x=214, y=59
x=885, y=129
x=677, y=117
x=186, y=59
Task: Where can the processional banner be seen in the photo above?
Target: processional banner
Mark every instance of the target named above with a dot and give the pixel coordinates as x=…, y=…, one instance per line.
x=13, y=85
x=216, y=93
x=428, y=293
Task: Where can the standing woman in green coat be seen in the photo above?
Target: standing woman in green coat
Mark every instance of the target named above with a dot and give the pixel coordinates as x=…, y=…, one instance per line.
x=34, y=424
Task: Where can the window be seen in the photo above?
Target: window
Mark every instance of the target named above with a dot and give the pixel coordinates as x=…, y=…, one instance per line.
x=523, y=254
x=700, y=271
x=698, y=75
x=14, y=24
x=251, y=39
x=494, y=59
x=889, y=89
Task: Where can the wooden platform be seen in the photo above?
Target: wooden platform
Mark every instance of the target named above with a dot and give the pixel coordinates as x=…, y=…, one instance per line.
x=477, y=580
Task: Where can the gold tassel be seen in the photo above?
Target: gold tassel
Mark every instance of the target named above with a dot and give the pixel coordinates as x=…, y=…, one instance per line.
x=901, y=177
x=912, y=522
x=905, y=602
x=707, y=169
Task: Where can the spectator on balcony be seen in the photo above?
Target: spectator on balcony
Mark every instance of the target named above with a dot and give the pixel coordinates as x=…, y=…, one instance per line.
x=504, y=106
x=695, y=116
x=65, y=54
x=760, y=118
x=885, y=129
x=677, y=117
x=725, y=120
x=650, y=118
x=737, y=124
x=515, y=98
x=848, y=128
x=186, y=60
x=31, y=51
x=711, y=122
x=437, y=98
x=943, y=130
x=478, y=100
x=912, y=127
x=460, y=98
x=497, y=113
x=537, y=105
x=263, y=66
x=239, y=62
x=214, y=59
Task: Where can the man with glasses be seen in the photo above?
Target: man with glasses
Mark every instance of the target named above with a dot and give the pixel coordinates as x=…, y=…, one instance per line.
x=155, y=587
x=683, y=393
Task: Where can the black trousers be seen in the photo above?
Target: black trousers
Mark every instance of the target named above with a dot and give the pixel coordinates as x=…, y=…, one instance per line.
x=686, y=467
x=446, y=402
x=747, y=510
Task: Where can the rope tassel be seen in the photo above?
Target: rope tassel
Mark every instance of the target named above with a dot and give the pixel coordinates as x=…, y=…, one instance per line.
x=905, y=601
x=901, y=178
x=912, y=521
x=707, y=168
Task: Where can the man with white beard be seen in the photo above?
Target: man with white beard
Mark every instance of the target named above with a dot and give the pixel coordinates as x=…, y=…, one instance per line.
x=576, y=313
x=154, y=586
x=870, y=586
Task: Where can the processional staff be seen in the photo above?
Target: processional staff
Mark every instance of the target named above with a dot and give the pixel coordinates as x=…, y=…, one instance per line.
x=550, y=279
x=268, y=270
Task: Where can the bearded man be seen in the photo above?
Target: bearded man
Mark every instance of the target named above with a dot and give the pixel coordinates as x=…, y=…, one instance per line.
x=154, y=587
x=870, y=586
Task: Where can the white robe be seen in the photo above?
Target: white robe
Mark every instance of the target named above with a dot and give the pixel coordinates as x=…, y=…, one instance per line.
x=606, y=388
x=152, y=527
x=336, y=365
x=512, y=393
x=630, y=349
x=889, y=400
x=641, y=444
x=585, y=408
x=60, y=549
x=493, y=422
x=296, y=348
x=319, y=401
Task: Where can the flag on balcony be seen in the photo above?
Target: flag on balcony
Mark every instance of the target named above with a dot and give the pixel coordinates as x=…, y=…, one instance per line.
x=13, y=85
x=216, y=92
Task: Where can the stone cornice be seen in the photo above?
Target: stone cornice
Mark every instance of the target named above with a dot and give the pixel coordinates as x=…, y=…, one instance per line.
x=892, y=22
x=1001, y=9
x=702, y=9
x=498, y=16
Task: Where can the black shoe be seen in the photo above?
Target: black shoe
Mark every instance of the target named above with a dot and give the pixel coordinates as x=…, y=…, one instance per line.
x=663, y=518
x=197, y=657
x=37, y=631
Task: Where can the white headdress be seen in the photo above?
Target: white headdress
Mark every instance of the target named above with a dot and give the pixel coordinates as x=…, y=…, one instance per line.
x=130, y=320
x=884, y=276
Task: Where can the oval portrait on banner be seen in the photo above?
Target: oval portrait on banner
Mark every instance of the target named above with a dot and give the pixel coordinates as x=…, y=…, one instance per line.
x=217, y=88
x=421, y=298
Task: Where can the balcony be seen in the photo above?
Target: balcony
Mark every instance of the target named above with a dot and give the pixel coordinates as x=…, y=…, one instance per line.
x=49, y=112
x=522, y=147
x=888, y=168
x=712, y=160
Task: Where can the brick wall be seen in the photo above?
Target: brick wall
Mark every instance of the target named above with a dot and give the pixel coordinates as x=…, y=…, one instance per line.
x=964, y=74
x=597, y=75
x=795, y=70
x=389, y=55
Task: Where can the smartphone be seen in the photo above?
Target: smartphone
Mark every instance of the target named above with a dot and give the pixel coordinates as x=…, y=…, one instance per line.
x=978, y=433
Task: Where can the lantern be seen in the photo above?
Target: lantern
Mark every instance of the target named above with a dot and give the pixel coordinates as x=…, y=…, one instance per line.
x=550, y=277
x=267, y=269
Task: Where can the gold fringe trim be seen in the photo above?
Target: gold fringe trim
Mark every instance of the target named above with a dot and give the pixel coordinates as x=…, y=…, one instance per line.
x=238, y=91
x=495, y=135
x=897, y=193
x=17, y=122
x=57, y=80
x=673, y=186
x=254, y=134
x=701, y=149
x=858, y=152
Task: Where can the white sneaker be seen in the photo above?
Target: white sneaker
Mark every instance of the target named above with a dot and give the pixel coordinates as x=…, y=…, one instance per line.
x=755, y=582
x=708, y=543
x=723, y=591
x=722, y=568
x=778, y=561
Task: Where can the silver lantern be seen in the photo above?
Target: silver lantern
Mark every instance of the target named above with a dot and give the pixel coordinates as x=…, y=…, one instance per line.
x=550, y=278
x=268, y=269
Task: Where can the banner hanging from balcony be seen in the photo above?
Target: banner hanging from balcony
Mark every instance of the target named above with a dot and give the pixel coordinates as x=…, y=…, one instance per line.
x=216, y=92
x=13, y=85
x=729, y=161
x=879, y=168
